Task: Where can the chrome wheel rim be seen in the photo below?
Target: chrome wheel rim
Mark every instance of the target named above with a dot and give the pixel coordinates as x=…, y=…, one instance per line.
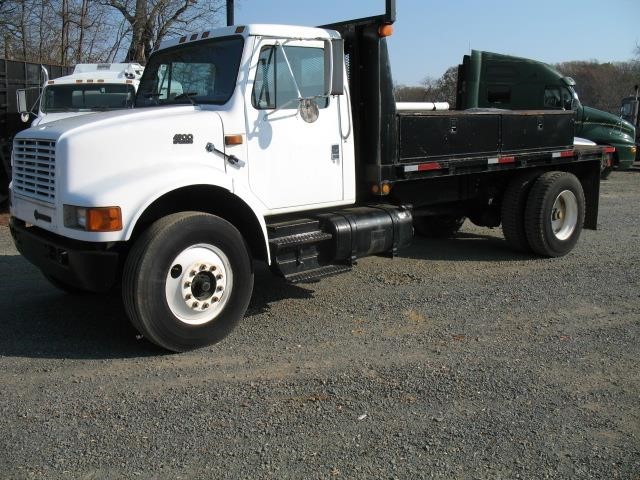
x=564, y=215
x=198, y=284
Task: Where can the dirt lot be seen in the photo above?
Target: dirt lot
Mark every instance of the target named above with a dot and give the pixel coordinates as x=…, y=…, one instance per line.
x=460, y=359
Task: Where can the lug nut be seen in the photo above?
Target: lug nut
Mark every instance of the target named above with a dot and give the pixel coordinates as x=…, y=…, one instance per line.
x=205, y=306
x=202, y=267
x=218, y=289
x=218, y=277
x=194, y=304
x=187, y=296
x=192, y=273
x=214, y=299
x=187, y=284
x=212, y=268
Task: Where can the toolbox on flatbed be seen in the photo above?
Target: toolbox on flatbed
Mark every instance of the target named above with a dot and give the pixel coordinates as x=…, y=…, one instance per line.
x=463, y=134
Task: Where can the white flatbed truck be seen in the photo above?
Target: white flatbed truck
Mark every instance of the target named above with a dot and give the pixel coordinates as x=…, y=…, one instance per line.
x=280, y=144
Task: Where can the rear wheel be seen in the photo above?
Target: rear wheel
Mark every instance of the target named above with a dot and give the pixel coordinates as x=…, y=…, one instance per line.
x=514, y=202
x=555, y=214
x=440, y=226
x=187, y=281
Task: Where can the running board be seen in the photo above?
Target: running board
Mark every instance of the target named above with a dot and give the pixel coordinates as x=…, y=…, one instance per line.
x=317, y=273
x=299, y=239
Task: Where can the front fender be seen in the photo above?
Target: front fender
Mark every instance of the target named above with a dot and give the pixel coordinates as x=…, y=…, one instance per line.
x=142, y=187
x=236, y=194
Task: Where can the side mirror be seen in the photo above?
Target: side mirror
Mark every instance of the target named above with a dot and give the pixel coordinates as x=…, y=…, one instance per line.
x=21, y=102
x=334, y=66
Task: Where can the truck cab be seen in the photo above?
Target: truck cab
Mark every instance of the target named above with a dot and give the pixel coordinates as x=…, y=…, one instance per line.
x=492, y=80
x=90, y=88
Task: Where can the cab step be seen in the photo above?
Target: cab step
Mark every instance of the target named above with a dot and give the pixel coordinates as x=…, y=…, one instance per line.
x=316, y=273
x=299, y=239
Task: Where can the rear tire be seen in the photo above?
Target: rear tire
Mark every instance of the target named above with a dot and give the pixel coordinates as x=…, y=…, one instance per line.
x=441, y=226
x=514, y=203
x=187, y=281
x=555, y=214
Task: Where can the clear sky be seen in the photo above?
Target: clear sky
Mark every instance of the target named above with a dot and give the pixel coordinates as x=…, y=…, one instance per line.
x=431, y=36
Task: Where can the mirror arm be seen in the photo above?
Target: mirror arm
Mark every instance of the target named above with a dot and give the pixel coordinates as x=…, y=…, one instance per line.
x=288, y=102
x=295, y=83
x=286, y=59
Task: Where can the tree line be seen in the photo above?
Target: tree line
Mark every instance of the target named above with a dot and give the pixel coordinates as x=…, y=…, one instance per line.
x=599, y=85
x=67, y=32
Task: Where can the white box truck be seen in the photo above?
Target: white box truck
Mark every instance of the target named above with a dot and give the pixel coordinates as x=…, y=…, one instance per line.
x=92, y=87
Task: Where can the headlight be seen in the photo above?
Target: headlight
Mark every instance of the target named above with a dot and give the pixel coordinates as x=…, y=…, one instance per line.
x=93, y=219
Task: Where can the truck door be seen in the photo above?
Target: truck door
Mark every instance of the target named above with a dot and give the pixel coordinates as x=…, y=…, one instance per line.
x=291, y=162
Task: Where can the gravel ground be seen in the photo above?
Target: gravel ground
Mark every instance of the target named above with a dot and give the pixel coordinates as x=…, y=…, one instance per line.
x=459, y=359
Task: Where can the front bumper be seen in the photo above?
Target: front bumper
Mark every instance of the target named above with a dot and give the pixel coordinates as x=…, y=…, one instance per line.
x=90, y=266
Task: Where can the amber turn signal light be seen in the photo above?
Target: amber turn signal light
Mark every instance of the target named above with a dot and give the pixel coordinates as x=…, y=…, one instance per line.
x=233, y=139
x=103, y=219
x=381, y=189
x=385, y=30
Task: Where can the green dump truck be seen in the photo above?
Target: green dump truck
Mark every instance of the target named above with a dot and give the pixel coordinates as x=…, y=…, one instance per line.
x=492, y=80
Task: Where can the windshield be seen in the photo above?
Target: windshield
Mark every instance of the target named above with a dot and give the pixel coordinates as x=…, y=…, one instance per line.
x=202, y=72
x=574, y=95
x=79, y=97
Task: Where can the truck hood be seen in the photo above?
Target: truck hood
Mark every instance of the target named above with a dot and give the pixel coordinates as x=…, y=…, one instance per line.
x=594, y=116
x=54, y=117
x=65, y=124
x=101, y=159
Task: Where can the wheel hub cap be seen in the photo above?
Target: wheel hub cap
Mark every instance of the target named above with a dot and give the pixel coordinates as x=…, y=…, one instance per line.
x=199, y=294
x=564, y=215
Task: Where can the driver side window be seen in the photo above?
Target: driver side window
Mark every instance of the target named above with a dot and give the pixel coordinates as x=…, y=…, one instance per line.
x=274, y=86
x=552, y=98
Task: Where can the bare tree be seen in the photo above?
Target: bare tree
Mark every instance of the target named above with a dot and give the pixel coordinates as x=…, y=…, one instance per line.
x=602, y=85
x=431, y=89
x=150, y=21
x=56, y=31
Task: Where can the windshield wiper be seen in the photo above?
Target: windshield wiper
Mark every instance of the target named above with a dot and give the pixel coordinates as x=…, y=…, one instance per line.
x=188, y=96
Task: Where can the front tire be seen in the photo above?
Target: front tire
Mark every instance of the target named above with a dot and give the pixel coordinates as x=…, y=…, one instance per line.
x=555, y=214
x=187, y=281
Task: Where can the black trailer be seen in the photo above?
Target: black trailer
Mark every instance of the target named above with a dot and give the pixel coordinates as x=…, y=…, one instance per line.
x=15, y=75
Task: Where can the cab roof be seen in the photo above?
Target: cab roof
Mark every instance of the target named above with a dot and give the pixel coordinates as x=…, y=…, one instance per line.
x=263, y=30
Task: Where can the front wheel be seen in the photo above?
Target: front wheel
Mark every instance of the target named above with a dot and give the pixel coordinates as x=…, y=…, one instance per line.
x=187, y=281
x=554, y=214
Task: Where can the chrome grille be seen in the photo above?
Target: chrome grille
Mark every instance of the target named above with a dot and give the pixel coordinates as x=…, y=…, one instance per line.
x=34, y=165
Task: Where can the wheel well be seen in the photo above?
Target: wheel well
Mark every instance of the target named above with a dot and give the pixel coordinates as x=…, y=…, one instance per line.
x=208, y=199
